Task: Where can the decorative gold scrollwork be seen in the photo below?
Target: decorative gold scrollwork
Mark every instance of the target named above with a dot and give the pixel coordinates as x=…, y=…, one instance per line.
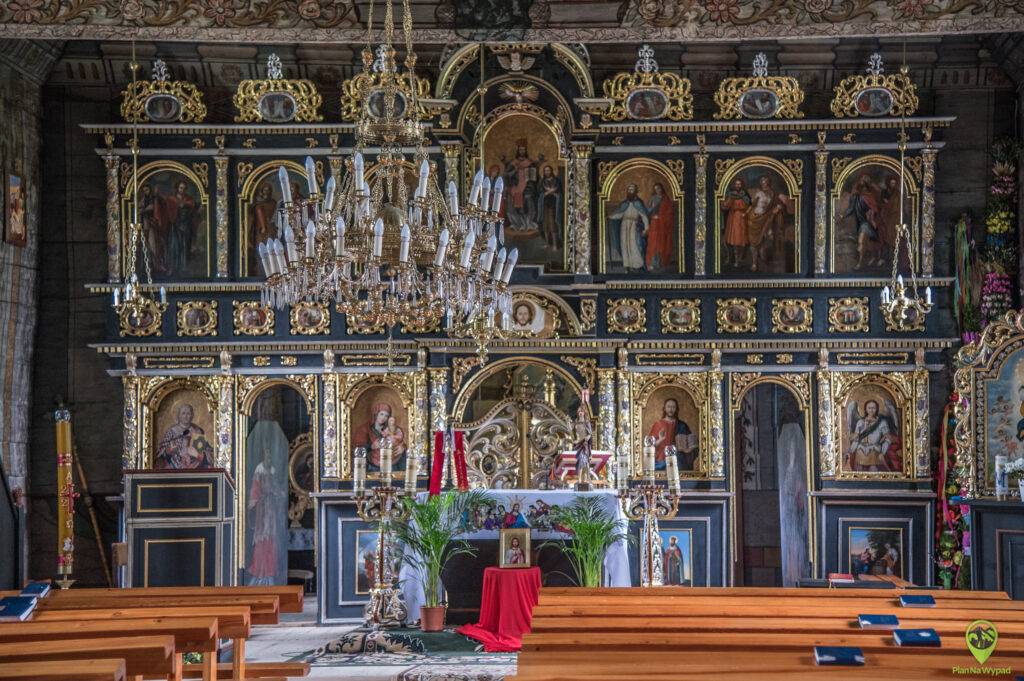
x=875, y=93
x=759, y=96
x=648, y=93
x=185, y=100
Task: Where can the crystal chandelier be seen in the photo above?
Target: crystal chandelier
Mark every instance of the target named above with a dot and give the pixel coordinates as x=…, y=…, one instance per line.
x=381, y=255
x=130, y=300
x=902, y=306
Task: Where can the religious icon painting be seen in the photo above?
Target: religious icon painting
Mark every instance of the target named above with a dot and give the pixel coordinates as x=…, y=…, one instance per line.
x=736, y=315
x=197, y=318
x=627, y=315
x=174, y=212
x=302, y=477
x=16, y=232
x=758, y=218
x=872, y=431
x=378, y=414
x=792, y=315
x=367, y=542
x=849, y=315
x=310, y=319
x=677, y=557
x=534, y=316
x=183, y=432
x=680, y=315
x=514, y=548
x=876, y=551
x=646, y=104
x=524, y=149
x=671, y=416
x=641, y=219
x=252, y=318
x=259, y=205
x=1001, y=415
x=866, y=215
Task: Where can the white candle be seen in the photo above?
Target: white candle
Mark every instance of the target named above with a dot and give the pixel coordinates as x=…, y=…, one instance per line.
x=359, y=471
x=453, y=197
x=499, y=265
x=310, y=239
x=442, y=247
x=311, y=177
x=421, y=189
x=385, y=461
x=264, y=260
x=648, y=455
x=485, y=193
x=513, y=257
x=673, y=471
x=487, y=257
x=357, y=168
x=289, y=243
x=286, y=187
x=403, y=253
x=329, y=194
x=467, y=249
x=339, y=236
x=928, y=295
x=499, y=189
x=474, y=193
x=411, y=470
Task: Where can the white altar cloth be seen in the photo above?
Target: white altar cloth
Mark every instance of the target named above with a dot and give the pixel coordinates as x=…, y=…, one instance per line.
x=616, y=558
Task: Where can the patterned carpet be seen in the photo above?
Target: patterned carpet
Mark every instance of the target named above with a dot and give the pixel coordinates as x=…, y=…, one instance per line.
x=435, y=656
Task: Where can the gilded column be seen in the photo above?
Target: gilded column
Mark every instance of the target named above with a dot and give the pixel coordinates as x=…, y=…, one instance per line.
x=113, y=217
x=131, y=455
x=225, y=419
x=438, y=398
x=606, y=409
x=625, y=399
x=452, y=158
x=221, y=212
x=922, y=449
x=333, y=464
x=928, y=206
x=715, y=384
x=826, y=425
x=820, y=204
x=580, y=218
x=700, y=208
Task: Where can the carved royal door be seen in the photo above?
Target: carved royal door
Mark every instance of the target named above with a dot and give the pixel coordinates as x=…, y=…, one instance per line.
x=515, y=443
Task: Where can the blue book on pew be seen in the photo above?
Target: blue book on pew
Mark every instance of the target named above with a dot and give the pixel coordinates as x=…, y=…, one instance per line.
x=37, y=589
x=917, y=601
x=878, y=621
x=16, y=608
x=916, y=637
x=841, y=656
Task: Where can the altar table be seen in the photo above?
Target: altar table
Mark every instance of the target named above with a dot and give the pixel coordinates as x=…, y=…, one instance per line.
x=506, y=608
x=616, y=558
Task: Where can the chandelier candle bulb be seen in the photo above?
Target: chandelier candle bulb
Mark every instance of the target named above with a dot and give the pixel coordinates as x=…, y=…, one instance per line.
x=117, y=297
x=163, y=295
x=474, y=193
x=467, y=250
x=487, y=257
x=289, y=243
x=403, y=255
x=453, y=198
x=513, y=257
x=329, y=195
x=485, y=193
x=311, y=177
x=286, y=187
x=442, y=247
x=310, y=239
x=499, y=266
x=928, y=295
x=378, y=237
x=421, y=188
x=357, y=169
x=499, y=189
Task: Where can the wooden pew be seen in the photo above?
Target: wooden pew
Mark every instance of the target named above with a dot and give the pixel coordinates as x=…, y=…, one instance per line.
x=111, y=669
x=196, y=635
x=232, y=621
x=575, y=594
x=142, y=655
x=289, y=596
x=263, y=609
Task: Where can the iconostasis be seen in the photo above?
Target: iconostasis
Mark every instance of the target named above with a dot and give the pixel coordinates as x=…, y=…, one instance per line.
x=717, y=280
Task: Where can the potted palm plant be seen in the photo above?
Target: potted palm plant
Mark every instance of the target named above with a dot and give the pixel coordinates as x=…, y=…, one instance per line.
x=427, y=540
x=593, y=531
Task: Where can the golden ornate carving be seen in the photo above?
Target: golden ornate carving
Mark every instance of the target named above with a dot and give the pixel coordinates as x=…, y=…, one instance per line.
x=354, y=92
x=756, y=358
x=673, y=90
x=768, y=96
x=303, y=94
x=586, y=366
x=588, y=314
x=309, y=319
x=680, y=315
x=627, y=315
x=841, y=317
x=792, y=315
x=135, y=97
x=289, y=360
x=797, y=166
x=461, y=366
x=736, y=315
x=784, y=358
x=872, y=358
x=901, y=99
x=252, y=318
x=197, y=318
x=261, y=361
x=604, y=168
x=148, y=323
x=722, y=166
x=154, y=389
x=202, y=171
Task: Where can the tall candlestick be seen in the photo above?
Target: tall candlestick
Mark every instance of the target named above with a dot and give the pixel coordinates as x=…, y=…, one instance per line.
x=672, y=467
x=648, y=456
x=412, y=464
x=385, y=460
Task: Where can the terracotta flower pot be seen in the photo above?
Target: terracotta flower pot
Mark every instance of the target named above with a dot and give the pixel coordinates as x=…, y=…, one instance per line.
x=432, y=619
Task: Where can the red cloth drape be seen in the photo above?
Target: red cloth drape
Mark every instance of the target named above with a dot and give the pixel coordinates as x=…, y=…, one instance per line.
x=459, y=459
x=438, y=467
x=506, y=608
